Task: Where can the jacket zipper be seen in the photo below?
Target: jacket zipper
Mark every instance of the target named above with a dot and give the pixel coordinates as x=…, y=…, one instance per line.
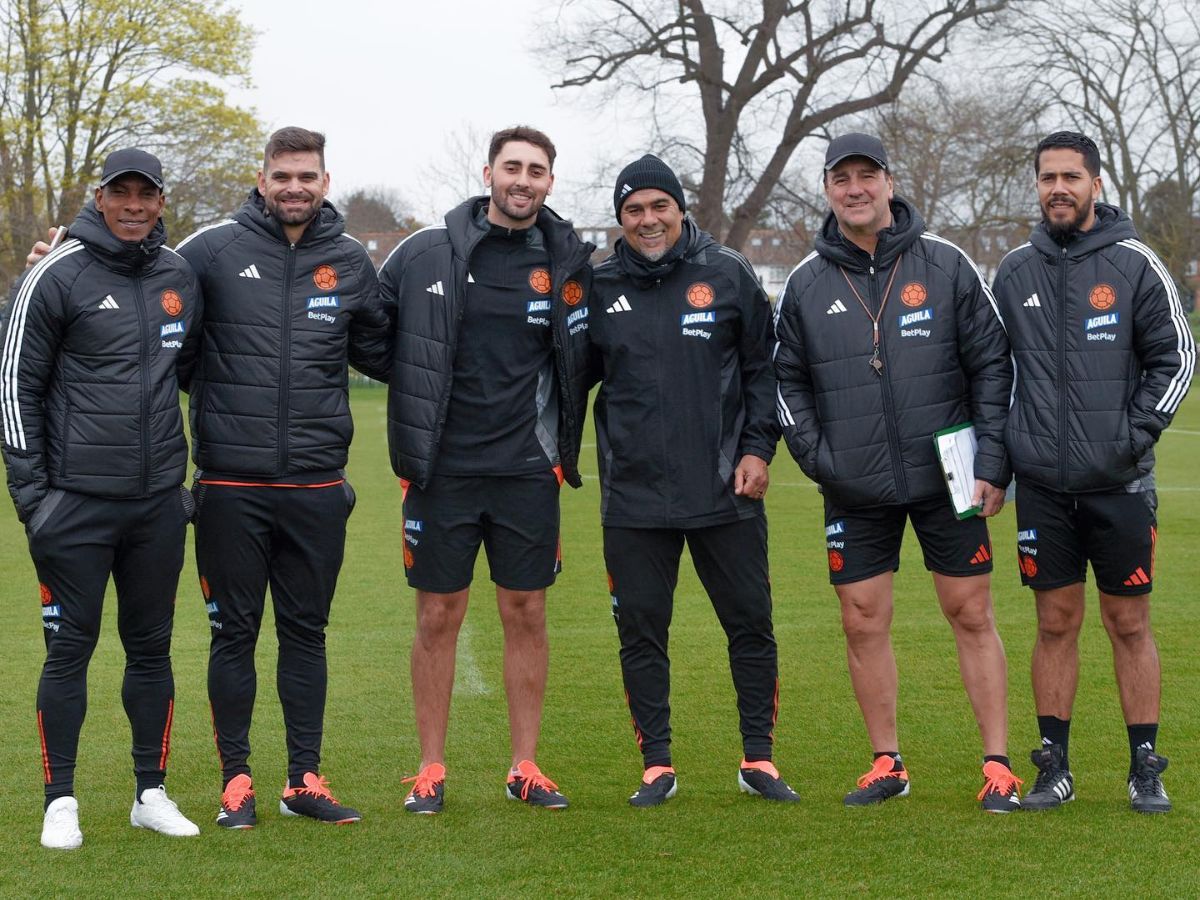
x=144, y=371
x=885, y=387
x=1062, y=368
x=285, y=356
x=659, y=381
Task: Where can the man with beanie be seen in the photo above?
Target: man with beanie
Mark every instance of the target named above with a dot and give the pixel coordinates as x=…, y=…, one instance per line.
x=99, y=334
x=485, y=410
x=685, y=428
x=1104, y=358
x=888, y=334
x=290, y=298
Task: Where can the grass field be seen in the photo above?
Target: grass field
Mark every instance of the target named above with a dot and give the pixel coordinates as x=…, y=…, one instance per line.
x=711, y=840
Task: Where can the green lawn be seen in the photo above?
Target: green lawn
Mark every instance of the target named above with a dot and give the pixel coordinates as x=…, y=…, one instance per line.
x=711, y=840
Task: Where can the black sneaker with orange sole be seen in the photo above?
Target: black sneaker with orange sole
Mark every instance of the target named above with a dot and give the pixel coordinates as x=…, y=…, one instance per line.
x=428, y=792
x=237, y=804
x=882, y=783
x=314, y=801
x=529, y=785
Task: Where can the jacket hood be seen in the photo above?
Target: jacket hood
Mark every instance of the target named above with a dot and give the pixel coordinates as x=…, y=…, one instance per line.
x=1112, y=225
x=326, y=225
x=466, y=226
x=116, y=254
x=691, y=241
x=907, y=226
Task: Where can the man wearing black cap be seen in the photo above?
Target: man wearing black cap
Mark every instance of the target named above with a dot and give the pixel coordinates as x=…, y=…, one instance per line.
x=685, y=428
x=485, y=413
x=100, y=332
x=888, y=334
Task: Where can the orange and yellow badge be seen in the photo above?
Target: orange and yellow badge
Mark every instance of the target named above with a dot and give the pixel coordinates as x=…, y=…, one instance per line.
x=1102, y=296
x=913, y=294
x=325, y=277
x=572, y=293
x=172, y=303
x=700, y=295
x=539, y=280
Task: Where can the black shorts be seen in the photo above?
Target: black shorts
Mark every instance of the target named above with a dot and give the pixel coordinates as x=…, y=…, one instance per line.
x=515, y=517
x=863, y=543
x=1059, y=534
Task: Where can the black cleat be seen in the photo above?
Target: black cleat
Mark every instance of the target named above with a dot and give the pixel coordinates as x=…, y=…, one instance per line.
x=658, y=786
x=880, y=784
x=762, y=780
x=314, y=801
x=534, y=788
x=237, y=804
x=1000, y=792
x=1146, y=794
x=429, y=790
x=1054, y=785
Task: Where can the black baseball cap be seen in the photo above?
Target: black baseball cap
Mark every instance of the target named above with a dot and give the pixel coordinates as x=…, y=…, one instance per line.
x=122, y=162
x=855, y=144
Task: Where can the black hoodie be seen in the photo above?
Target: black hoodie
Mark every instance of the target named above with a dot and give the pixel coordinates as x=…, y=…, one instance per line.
x=423, y=284
x=866, y=436
x=1103, y=350
x=99, y=334
x=269, y=400
x=683, y=347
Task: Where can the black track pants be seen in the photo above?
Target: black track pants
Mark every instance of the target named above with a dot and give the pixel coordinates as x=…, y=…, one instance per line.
x=731, y=561
x=290, y=539
x=76, y=542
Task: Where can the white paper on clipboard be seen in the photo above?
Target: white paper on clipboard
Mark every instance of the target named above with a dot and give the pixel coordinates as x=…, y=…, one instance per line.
x=956, y=448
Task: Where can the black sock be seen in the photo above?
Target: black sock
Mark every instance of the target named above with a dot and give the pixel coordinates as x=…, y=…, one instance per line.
x=1056, y=731
x=757, y=758
x=897, y=762
x=1141, y=736
x=296, y=781
x=1003, y=760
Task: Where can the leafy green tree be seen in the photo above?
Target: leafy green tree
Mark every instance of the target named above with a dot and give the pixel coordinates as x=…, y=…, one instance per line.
x=79, y=78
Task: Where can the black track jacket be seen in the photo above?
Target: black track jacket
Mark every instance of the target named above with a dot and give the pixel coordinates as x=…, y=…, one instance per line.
x=424, y=287
x=269, y=398
x=99, y=334
x=867, y=437
x=683, y=350
x=1104, y=355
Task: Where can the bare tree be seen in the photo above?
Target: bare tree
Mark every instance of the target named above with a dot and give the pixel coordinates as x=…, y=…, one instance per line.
x=766, y=77
x=1128, y=74
x=375, y=208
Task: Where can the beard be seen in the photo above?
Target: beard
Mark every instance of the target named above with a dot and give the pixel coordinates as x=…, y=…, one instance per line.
x=517, y=215
x=1062, y=232
x=293, y=217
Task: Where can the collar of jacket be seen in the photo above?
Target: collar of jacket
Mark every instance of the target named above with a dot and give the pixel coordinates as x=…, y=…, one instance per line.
x=1112, y=225
x=325, y=225
x=644, y=271
x=114, y=253
x=466, y=226
x=906, y=228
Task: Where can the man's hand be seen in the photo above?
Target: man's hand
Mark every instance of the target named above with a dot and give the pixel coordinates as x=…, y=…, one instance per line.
x=988, y=496
x=750, y=477
x=41, y=248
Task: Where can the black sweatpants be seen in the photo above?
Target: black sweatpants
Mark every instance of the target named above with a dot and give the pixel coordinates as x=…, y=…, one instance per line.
x=291, y=539
x=731, y=560
x=76, y=542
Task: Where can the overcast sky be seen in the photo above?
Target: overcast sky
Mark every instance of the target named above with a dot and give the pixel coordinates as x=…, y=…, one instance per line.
x=390, y=85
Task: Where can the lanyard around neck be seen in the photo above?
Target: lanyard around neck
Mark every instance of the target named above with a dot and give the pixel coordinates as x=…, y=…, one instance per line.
x=875, y=362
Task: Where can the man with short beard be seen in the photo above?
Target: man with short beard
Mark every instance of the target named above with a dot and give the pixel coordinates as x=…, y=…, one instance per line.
x=1104, y=358
x=289, y=299
x=685, y=429
x=485, y=411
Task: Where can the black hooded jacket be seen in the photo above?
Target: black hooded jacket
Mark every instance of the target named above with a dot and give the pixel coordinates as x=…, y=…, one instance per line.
x=424, y=287
x=682, y=347
x=269, y=399
x=865, y=436
x=1103, y=350
x=98, y=336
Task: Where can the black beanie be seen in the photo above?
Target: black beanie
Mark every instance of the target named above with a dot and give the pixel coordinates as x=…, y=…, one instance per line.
x=647, y=172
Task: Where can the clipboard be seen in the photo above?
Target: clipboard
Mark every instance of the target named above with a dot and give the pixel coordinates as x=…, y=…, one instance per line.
x=955, y=448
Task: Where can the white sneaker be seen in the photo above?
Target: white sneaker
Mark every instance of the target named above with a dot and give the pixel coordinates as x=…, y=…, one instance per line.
x=158, y=812
x=60, y=826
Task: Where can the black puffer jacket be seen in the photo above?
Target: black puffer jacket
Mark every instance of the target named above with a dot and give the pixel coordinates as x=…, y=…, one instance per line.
x=96, y=333
x=269, y=398
x=867, y=437
x=683, y=348
x=424, y=284
x=1104, y=355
